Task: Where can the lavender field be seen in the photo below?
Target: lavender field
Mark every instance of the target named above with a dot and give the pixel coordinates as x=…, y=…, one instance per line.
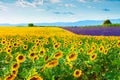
x=105, y=31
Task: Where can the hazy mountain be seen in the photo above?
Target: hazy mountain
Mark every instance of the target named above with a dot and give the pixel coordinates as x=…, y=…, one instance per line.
x=78, y=23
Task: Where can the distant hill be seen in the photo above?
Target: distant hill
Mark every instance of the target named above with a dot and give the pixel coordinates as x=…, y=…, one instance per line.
x=78, y=23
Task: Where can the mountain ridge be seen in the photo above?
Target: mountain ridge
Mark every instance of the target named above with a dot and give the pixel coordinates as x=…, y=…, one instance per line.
x=77, y=23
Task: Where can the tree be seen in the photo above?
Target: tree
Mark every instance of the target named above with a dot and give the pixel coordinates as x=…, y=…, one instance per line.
x=30, y=24
x=107, y=22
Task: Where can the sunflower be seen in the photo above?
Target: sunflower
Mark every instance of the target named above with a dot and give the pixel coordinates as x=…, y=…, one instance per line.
x=15, y=44
x=80, y=43
x=35, y=78
x=72, y=48
x=9, y=46
x=0, y=50
x=20, y=58
x=8, y=50
x=81, y=49
x=77, y=73
x=36, y=57
x=3, y=42
x=58, y=55
x=101, y=48
x=87, y=45
x=118, y=44
x=31, y=55
x=47, y=42
x=34, y=47
x=57, y=45
x=42, y=52
x=89, y=52
x=72, y=56
x=10, y=77
x=52, y=63
x=37, y=44
x=15, y=66
x=93, y=56
x=46, y=58
x=14, y=72
x=105, y=51
x=94, y=45
x=25, y=47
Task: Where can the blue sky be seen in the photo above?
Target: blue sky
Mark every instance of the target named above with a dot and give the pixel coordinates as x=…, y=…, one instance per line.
x=39, y=11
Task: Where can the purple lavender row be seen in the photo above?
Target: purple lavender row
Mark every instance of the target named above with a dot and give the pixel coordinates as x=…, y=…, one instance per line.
x=105, y=31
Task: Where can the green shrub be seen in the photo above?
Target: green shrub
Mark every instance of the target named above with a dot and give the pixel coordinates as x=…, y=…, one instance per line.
x=107, y=22
x=30, y=24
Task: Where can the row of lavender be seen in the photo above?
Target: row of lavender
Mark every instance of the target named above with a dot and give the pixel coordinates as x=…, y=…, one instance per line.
x=105, y=31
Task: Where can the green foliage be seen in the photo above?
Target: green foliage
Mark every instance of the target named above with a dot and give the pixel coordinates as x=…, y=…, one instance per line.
x=95, y=58
x=30, y=24
x=113, y=25
x=107, y=22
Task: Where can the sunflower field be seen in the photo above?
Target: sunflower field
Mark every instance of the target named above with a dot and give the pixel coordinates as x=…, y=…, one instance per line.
x=52, y=53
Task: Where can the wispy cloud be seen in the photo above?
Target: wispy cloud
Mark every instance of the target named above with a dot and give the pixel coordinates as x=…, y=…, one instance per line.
x=106, y=9
x=54, y=1
x=82, y=1
x=64, y=13
x=69, y=5
x=95, y=0
x=90, y=7
x=111, y=0
x=41, y=10
x=34, y=3
x=90, y=1
x=2, y=7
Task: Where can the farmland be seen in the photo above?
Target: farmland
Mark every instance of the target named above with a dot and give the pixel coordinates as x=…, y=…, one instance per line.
x=51, y=53
x=99, y=30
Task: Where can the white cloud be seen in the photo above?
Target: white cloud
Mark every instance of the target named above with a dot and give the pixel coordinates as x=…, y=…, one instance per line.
x=24, y=3
x=2, y=7
x=90, y=7
x=97, y=0
x=41, y=10
x=82, y=0
x=54, y=1
x=90, y=1
x=69, y=5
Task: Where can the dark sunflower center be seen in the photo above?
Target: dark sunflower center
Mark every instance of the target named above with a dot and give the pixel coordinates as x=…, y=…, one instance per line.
x=41, y=52
x=101, y=48
x=56, y=46
x=8, y=50
x=3, y=42
x=34, y=78
x=20, y=57
x=32, y=54
x=57, y=55
x=77, y=72
x=46, y=58
x=93, y=56
x=72, y=55
x=25, y=46
x=14, y=72
x=15, y=65
x=15, y=44
x=10, y=77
